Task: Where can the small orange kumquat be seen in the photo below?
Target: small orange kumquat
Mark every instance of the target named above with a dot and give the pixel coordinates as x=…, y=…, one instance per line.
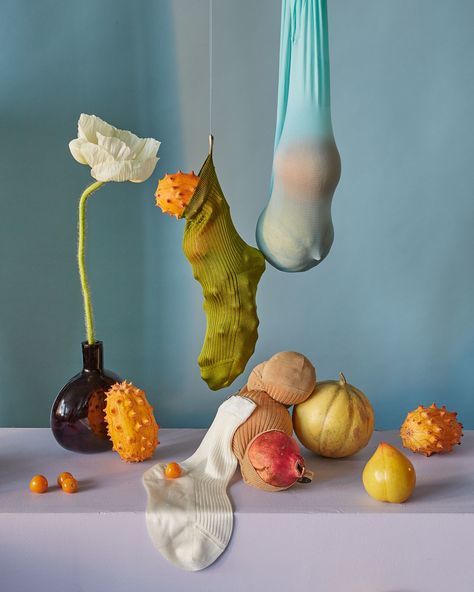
x=63, y=476
x=172, y=470
x=69, y=485
x=39, y=484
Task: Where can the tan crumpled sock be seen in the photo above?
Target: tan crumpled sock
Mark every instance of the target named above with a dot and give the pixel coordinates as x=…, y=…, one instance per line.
x=288, y=377
x=268, y=415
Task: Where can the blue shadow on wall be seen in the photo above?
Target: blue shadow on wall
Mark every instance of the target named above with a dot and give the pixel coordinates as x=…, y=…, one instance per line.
x=392, y=306
x=58, y=59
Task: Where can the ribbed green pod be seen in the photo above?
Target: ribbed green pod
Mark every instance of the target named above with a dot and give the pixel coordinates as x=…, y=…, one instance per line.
x=228, y=270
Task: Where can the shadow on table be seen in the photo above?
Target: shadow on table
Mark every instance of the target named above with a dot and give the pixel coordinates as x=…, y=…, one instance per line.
x=442, y=488
x=177, y=448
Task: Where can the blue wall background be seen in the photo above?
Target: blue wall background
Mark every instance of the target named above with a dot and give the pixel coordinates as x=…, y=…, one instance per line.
x=392, y=306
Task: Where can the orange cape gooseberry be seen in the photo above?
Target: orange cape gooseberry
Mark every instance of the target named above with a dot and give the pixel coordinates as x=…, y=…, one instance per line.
x=63, y=476
x=69, y=485
x=172, y=470
x=39, y=484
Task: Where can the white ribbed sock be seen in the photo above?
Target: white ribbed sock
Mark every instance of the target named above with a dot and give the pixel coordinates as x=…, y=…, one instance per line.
x=190, y=519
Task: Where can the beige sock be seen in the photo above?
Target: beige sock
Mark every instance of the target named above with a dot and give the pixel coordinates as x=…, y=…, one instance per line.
x=288, y=377
x=268, y=415
x=254, y=383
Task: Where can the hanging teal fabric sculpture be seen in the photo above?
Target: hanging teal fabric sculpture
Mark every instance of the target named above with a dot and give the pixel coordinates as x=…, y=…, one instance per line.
x=295, y=230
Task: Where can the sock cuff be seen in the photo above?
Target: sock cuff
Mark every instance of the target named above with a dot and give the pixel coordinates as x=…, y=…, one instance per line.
x=216, y=446
x=269, y=415
x=239, y=406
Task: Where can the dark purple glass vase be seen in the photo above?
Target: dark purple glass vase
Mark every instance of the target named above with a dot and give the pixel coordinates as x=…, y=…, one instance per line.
x=77, y=416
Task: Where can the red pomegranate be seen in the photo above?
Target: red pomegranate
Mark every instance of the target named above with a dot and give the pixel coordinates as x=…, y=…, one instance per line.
x=276, y=458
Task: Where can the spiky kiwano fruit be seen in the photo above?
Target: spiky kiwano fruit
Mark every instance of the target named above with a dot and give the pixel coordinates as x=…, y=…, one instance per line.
x=130, y=421
x=175, y=191
x=429, y=430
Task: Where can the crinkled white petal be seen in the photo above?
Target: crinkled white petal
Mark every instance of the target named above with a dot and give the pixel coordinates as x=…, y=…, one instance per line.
x=89, y=125
x=128, y=170
x=115, y=147
x=129, y=138
x=148, y=149
x=113, y=154
x=95, y=155
x=75, y=146
x=113, y=171
x=136, y=147
x=143, y=169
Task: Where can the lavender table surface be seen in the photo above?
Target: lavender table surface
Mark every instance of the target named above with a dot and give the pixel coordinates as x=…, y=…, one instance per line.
x=328, y=536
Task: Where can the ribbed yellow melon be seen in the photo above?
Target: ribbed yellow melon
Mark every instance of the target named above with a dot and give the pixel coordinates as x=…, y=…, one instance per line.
x=130, y=421
x=175, y=191
x=430, y=430
x=336, y=420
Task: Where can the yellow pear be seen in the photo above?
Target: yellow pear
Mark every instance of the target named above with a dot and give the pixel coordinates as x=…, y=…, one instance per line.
x=388, y=475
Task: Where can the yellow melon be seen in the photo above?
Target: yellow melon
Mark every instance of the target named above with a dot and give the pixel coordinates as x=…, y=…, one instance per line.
x=336, y=420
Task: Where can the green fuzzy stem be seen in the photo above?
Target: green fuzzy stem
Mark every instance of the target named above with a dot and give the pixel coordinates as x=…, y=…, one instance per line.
x=81, y=251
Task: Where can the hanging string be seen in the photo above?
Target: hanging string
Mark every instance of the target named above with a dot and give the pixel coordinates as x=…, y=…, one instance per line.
x=210, y=65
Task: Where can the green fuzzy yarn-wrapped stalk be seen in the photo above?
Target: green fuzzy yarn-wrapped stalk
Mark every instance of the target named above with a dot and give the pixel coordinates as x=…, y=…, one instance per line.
x=228, y=270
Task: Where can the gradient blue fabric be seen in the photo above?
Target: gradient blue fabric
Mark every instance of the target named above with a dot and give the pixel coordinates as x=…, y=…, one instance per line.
x=295, y=231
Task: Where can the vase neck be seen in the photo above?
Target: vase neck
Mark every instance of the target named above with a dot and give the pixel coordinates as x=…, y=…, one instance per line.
x=92, y=356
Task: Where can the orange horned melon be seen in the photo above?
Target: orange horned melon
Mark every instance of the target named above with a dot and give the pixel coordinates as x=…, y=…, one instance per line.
x=430, y=430
x=175, y=191
x=130, y=421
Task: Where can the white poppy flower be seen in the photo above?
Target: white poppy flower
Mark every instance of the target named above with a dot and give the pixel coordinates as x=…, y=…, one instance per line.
x=113, y=154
